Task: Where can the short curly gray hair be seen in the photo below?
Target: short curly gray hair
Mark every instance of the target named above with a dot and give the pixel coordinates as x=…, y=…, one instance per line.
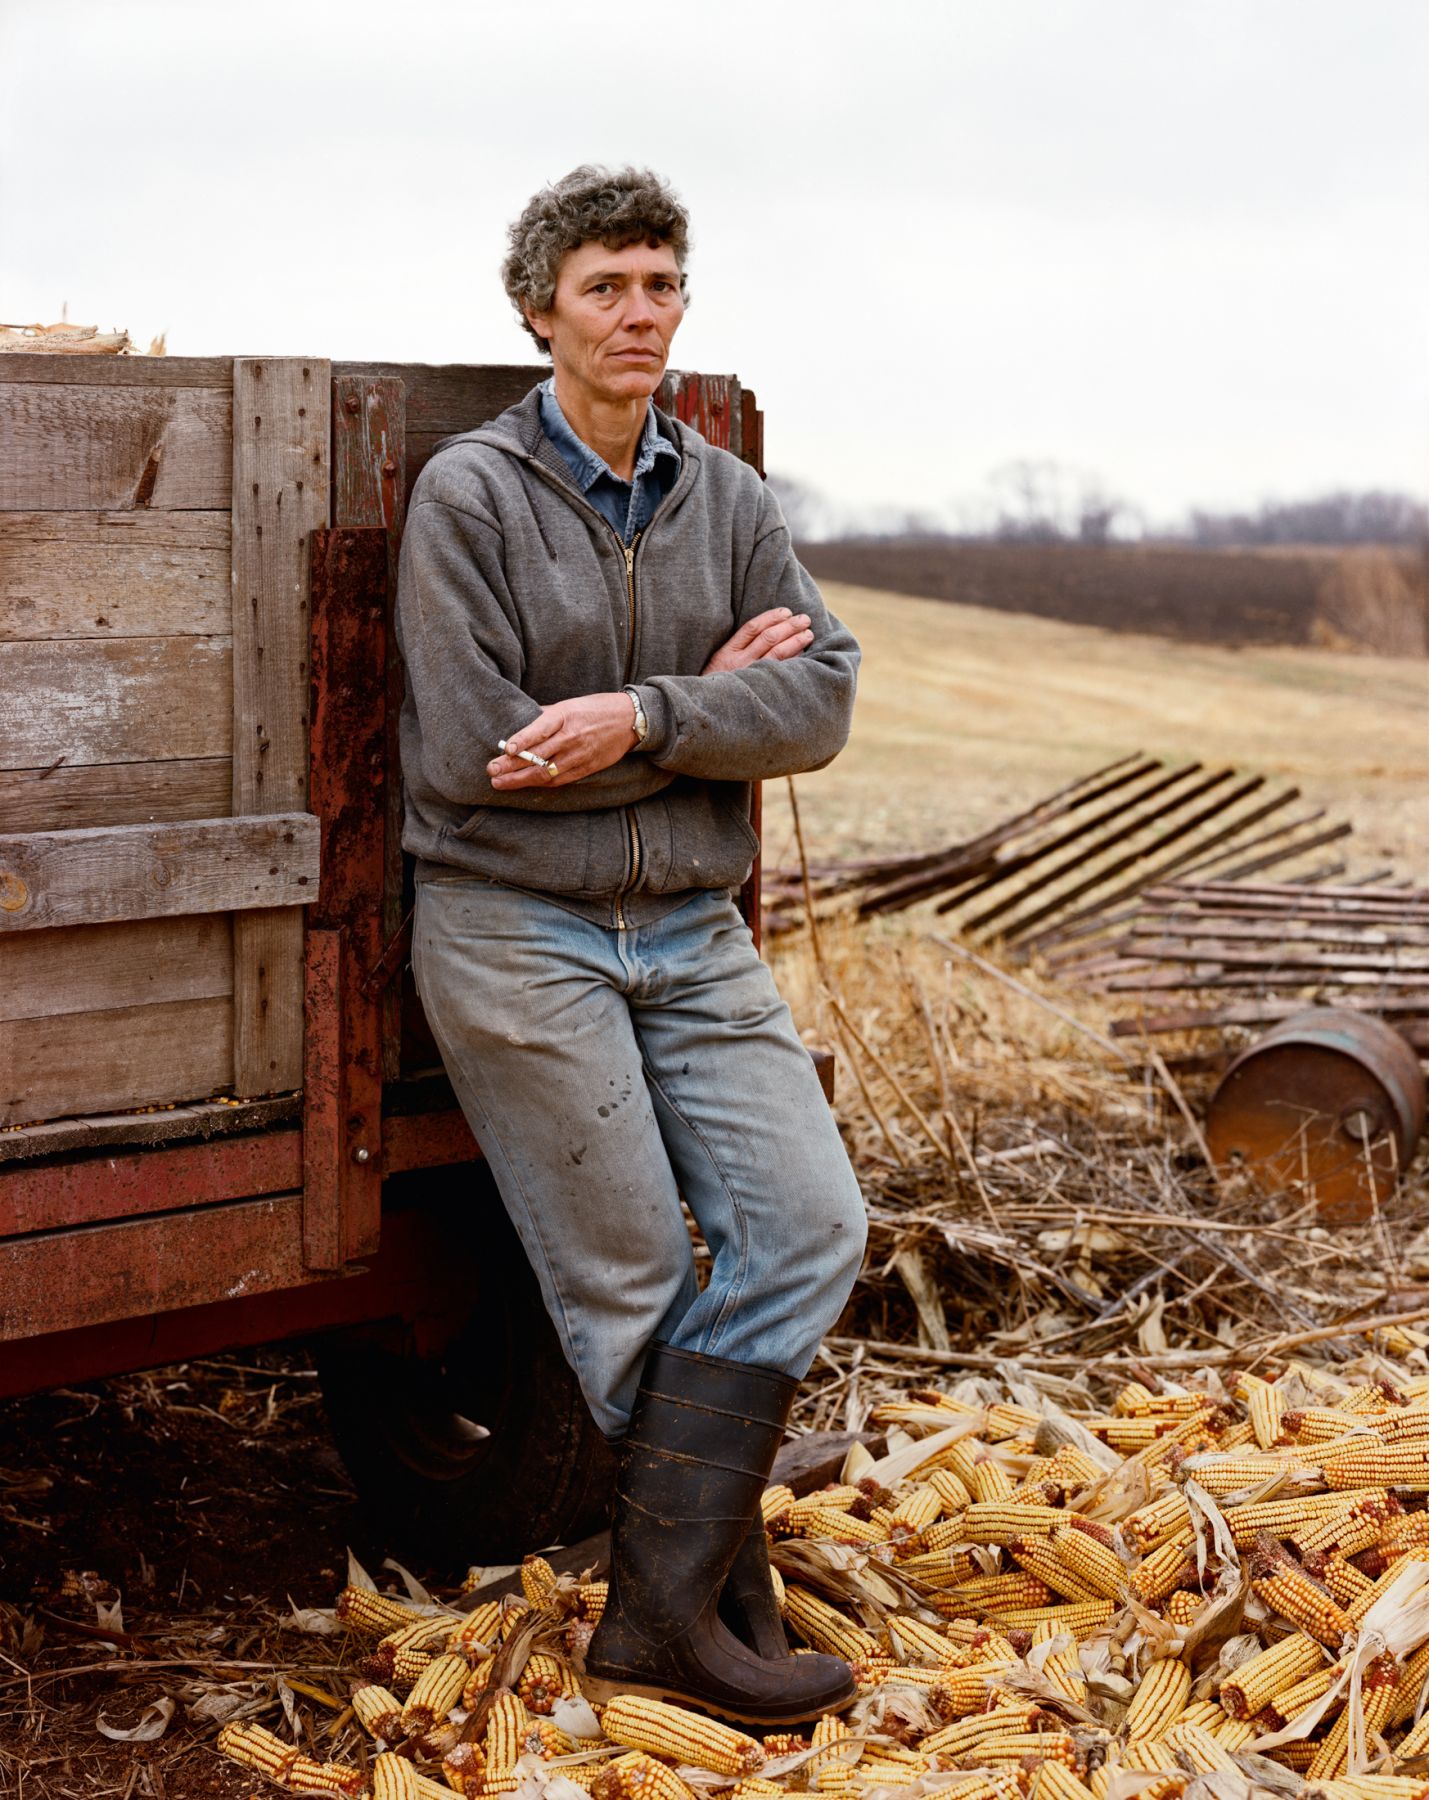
x=614, y=207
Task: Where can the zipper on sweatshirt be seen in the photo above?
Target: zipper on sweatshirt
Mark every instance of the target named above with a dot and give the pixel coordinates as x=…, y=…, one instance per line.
x=630, y=824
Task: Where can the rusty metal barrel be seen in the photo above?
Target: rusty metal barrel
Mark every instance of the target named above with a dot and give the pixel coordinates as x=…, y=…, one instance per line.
x=1329, y=1102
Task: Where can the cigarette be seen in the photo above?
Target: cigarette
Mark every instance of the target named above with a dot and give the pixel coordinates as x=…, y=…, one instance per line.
x=529, y=756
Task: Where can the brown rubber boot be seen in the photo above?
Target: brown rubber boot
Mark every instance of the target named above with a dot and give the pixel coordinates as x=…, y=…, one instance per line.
x=697, y=1457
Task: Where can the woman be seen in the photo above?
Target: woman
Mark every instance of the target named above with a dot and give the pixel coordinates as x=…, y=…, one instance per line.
x=591, y=585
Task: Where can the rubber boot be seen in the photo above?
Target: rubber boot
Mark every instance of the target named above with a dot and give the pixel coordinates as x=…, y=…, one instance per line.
x=747, y=1604
x=702, y=1439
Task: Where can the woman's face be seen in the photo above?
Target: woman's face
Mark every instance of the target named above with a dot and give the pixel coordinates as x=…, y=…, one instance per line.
x=612, y=319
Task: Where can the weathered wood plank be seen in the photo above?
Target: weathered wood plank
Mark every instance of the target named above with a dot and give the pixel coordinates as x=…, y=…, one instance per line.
x=57, y=1281
x=66, y=799
x=54, y=878
x=132, y=700
x=90, y=968
x=369, y=484
x=127, y=1056
x=19, y=366
x=67, y=445
x=151, y=530
x=446, y=397
x=172, y=1124
x=281, y=435
x=50, y=589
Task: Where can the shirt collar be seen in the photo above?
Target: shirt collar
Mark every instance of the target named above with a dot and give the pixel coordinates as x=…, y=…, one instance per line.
x=586, y=465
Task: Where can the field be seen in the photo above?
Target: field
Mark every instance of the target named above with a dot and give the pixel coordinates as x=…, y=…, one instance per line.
x=966, y=714
x=1364, y=598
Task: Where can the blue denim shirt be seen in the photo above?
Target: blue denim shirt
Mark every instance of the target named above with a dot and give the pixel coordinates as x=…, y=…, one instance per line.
x=628, y=505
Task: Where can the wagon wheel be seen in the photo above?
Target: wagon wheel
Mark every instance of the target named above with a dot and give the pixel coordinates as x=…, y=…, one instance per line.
x=483, y=1449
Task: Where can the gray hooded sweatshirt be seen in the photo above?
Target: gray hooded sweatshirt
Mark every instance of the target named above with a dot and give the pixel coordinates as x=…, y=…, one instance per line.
x=514, y=593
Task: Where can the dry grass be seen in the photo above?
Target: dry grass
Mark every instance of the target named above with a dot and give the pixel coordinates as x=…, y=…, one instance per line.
x=965, y=715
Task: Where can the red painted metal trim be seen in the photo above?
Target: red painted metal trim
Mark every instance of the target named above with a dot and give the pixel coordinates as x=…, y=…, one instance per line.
x=55, y=1281
x=427, y=1274
x=426, y=1141
x=92, y=1189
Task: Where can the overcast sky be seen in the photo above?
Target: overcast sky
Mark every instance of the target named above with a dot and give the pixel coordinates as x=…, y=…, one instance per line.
x=1178, y=243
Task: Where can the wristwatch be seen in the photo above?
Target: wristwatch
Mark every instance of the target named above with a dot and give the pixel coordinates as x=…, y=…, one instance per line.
x=642, y=724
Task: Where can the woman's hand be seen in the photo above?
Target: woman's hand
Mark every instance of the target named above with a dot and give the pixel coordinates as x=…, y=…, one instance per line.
x=774, y=636
x=580, y=736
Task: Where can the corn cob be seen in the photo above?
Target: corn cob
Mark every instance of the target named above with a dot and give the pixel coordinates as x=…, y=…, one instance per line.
x=1415, y=1742
x=1182, y=1606
x=825, y=1628
x=464, y=1766
x=991, y=1482
x=1017, y=1587
x=309, y=1777
x=1346, y=1583
x=828, y=1523
x=1235, y=1734
x=1055, y=1781
x=407, y=1667
x=1062, y=1668
x=992, y=1522
x=774, y=1504
x=871, y=1671
x=1081, y=1618
x=1159, y=1700
x=1412, y=1680
x=1266, y=1407
x=373, y=1614
x=538, y=1579
x=476, y=1682
x=828, y=1734
x=1155, y=1524
x=1281, y=1518
x=953, y=1493
x=665, y=1730
x=940, y=1538
x=1040, y=1557
x=437, y=1691
x=1222, y=1476
x=1169, y=1566
x=257, y=1748
x=506, y=1727
x=754, y=1787
x=1317, y=1424
x=1402, y=1465
x=1005, y=1421
x=393, y=1778
x=1369, y=1787
x=1378, y=1691
x=636, y=1776
x=590, y=1600
x=379, y=1712
x=1086, y=1550
x=1292, y=1701
x=916, y=1642
x=479, y=1630
x=962, y=1691
x=784, y=1743
x=1286, y=1589
x=1257, y=1682
x=957, y=1739
x=513, y=1611
x=1200, y=1749
x=1052, y=1746
x=1148, y=1756
x=548, y=1740
x=916, y=1511
x=543, y=1681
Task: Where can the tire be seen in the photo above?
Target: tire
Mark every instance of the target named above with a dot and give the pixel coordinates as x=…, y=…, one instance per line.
x=406, y=1420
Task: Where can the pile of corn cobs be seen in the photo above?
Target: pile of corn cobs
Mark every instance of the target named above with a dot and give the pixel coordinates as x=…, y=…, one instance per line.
x=1199, y=1593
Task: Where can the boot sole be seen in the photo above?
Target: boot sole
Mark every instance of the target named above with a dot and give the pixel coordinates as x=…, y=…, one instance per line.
x=601, y=1691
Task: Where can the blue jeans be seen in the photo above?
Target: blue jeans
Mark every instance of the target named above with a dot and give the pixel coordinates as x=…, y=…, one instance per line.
x=605, y=1074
